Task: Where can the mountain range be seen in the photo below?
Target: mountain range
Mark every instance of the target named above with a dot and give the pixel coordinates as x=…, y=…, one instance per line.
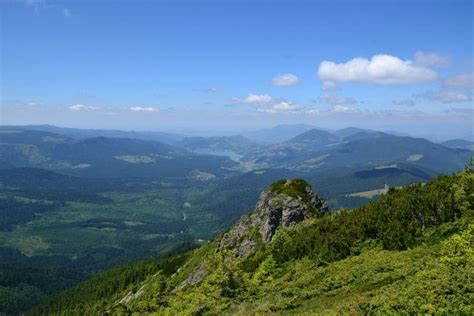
x=319, y=150
x=77, y=202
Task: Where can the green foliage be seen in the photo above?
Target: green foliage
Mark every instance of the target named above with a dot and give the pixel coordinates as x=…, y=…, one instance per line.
x=294, y=188
x=13, y=211
x=397, y=221
x=409, y=253
x=443, y=287
x=265, y=271
x=106, y=286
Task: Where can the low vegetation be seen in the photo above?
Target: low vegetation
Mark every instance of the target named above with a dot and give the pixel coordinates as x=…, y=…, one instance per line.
x=411, y=252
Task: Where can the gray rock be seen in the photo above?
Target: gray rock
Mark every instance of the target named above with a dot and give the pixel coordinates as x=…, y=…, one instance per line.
x=272, y=210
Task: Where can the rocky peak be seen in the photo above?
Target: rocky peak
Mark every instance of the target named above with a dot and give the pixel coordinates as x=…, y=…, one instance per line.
x=285, y=203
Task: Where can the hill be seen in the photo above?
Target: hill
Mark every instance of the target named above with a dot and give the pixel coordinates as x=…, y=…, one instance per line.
x=277, y=134
x=103, y=157
x=349, y=131
x=314, y=137
x=411, y=252
x=459, y=143
x=233, y=147
x=79, y=133
x=321, y=151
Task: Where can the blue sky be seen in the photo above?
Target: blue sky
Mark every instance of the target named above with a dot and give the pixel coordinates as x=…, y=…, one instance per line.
x=239, y=65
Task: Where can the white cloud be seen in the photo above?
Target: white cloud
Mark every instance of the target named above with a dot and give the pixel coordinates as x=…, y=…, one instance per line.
x=431, y=60
x=82, y=107
x=404, y=102
x=328, y=85
x=258, y=99
x=380, y=69
x=285, y=80
x=285, y=106
x=281, y=107
x=334, y=100
x=272, y=111
x=66, y=12
x=460, y=81
x=445, y=96
x=143, y=109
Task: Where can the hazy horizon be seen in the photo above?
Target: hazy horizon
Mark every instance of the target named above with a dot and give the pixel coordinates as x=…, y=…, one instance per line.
x=209, y=132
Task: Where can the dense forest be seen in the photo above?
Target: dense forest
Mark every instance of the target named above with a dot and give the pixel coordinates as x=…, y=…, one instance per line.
x=411, y=251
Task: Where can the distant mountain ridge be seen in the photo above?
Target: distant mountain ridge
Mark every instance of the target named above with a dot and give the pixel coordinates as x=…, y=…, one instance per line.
x=231, y=146
x=80, y=133
x=102, y=157
x=277, y=134
x=459, y=143
x=319, y=150
x=311, y=151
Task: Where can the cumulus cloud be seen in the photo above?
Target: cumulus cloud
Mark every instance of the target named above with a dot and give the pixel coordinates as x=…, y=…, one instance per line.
x=281, y=107
x=431, y=60
x=460, y=81
x=445, y=96
x=272, y=111
x=82, y=108
x=285, y=80
x=380, y=69
x=143, y=109
x=404, y=102
x=258, y=99
x=285, y=106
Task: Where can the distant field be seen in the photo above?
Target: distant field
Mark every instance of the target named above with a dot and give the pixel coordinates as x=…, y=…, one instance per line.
x=154, y=216
x=369, y=194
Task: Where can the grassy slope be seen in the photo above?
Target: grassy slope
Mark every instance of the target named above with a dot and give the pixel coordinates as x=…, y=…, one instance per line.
x=377, y=281
x=427, y=270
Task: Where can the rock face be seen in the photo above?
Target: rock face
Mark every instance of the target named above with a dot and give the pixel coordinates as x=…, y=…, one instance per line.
x=285, y=203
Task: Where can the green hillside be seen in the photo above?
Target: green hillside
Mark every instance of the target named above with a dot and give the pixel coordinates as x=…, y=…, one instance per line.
x=102, y=157
x=410, y=252
x=318, y=150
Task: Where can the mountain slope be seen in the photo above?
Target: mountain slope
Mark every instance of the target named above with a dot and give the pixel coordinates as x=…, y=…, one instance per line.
x=363, y=149
x=349, y=131
x=277, y=134
x=230, y=146
x=459, y=143
x=410, y=252
x=102, y=157
x=79, y=133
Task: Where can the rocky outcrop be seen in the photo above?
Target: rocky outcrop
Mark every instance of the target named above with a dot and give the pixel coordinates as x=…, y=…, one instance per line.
x=285, y=203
